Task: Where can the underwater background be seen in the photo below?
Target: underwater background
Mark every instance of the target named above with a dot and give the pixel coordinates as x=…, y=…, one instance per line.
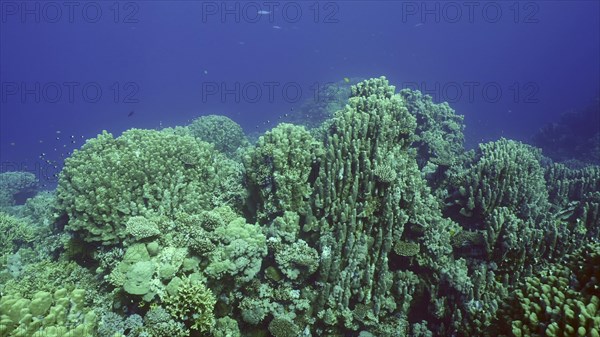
x=308, y=168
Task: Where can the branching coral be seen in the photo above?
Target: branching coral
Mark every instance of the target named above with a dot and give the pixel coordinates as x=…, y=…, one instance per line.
x=142, y=171
x=279, y=170
x=192, y=303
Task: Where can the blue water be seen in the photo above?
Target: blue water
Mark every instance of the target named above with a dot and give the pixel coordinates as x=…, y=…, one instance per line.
x=508, y=67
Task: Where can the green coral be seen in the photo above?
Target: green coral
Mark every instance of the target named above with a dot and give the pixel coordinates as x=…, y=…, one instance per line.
x=560, y=300
x=476, y=317
x=192, y=303
x=574, y=195
x=359, y=219
x=439, y=133
x=226, y=327
x=48, y=276
x=297, y=260
x=225, y=134
x=503, y=173
x=141, y=228
x=15, y=233
x=283, y=327
x=239, y=251
x=567, y=184
x=61, y=313
x=195, y=231
x=514, y=244
x=285, y=227
x=145, y=268
x=16, y=187
x=143, y=171
x=279, y=170
x=158, y=322
x=348, y=229
x=138, y=277
x=112, y=324
x=41, y=210
x=406, y=248
x=133, y=255
x=255, y=310
x=384, y=174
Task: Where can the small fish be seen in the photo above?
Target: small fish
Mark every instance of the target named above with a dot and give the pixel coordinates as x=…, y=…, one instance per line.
x=206, y=72
x=58, y=132
x=419, y=24
x=276, y=27
x=131, y=113
x=261, y=12
x=346, y=79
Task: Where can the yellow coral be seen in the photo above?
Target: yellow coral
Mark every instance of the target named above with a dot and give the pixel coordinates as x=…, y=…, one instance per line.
x=193, y=303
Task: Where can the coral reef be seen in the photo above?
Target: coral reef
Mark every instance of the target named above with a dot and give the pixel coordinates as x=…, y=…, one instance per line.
x=375, y=222
x=575, y=136
x=15, y=232
x=192, y=303
x=61, y=313
x=16, y=188
x=360, y=217
x=225, y=134
x=140, y=172
x=326, y=99
x=439, y=133
x=279, y=170
x=559, y=300
x=504, y=173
